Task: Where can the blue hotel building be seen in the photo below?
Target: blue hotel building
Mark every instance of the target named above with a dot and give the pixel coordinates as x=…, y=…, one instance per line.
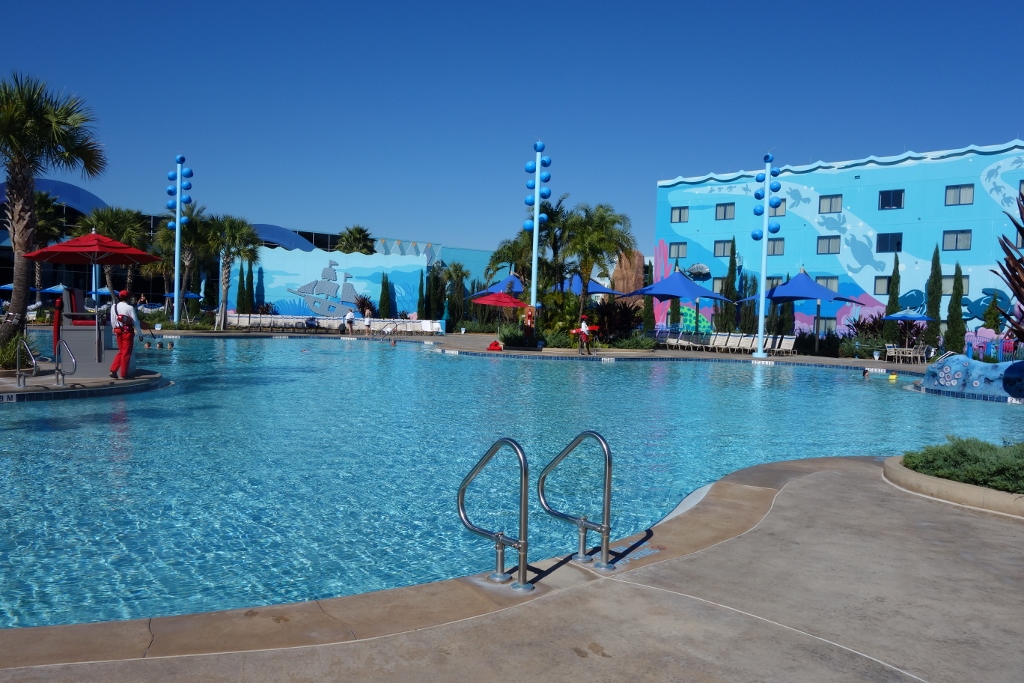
x=844, y=222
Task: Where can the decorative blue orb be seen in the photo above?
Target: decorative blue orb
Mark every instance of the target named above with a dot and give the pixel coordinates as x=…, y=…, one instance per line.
x=184, y=220
x=757, y=234
x=759, y=177
x=170, y=225
x=774, y=227
x=530, y=184
x=171, y=204
x=530, y=200
x=545, y=176
x=538, y=146
x=758, y=210
x=172, y=176
x=531, y=166
x=545, y=161
x=527, y=225
x=186, y=172
x=186, y=185
x=775, y=186
x=543, y=218
x=759, y=194
x=185, y=199
x=775, y=172
x=180, y=159
x=775, y=202
x=768, y=158
x=171, y=190
x=545, y=192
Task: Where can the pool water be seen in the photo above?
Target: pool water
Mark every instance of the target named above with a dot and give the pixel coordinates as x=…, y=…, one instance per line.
x=285, y=470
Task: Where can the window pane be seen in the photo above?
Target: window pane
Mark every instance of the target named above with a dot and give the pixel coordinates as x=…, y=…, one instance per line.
x=781, y=211
x=964, y=241
x=882, y=286
x=967, y=194
x=776, y=246
x=830, y=281
x=952, y=195
x=948, y=241
x=716, y=285
x=770, y=282
x=823, y=204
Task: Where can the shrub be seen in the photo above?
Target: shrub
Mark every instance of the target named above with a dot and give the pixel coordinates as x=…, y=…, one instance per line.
x=972, y=461
x=8, y=352
x=559, y=339
x=476, y=326
x=638, y=340
x=828, y=345
x=513, y=335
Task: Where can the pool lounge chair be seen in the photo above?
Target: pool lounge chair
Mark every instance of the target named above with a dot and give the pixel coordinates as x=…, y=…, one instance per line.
x=891, y=353
x=732, y=343
x=748, y=343
x=785, y=347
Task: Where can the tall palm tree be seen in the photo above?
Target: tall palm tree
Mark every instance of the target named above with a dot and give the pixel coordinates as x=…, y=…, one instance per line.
x=595, y=236
x=356, y=239
x=552, y=239
x=39, y=131
x=162, y=247
x=516, y=253
x=197, y=243
x=49, y=228
x=235, y=239
x=455, y=275
x=124, y=225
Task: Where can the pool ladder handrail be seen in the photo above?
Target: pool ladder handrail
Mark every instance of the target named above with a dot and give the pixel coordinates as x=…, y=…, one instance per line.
x=19, y=375
x=581, y=522
x=500, y=539
x=58, y=363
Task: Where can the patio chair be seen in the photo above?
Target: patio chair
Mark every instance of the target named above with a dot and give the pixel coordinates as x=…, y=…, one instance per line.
x=718, y=341
x=785, y=347
x=732, y=342
x=748, y=344
x=891, y=353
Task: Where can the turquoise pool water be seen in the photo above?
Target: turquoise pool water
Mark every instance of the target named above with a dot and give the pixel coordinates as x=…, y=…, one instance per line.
x=285, y=470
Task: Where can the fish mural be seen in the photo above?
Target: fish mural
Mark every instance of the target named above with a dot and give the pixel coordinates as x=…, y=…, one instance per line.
x=862, y=253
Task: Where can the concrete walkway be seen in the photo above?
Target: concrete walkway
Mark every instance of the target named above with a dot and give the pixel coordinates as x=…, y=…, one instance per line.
x=812, y=570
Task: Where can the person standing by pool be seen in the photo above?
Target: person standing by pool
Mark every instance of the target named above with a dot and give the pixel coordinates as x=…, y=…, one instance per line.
x=124, y=322
x=350, y=321
x=366, y=321
x=584, y=335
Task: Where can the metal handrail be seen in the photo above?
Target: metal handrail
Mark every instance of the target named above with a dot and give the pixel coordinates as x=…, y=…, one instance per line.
x=58, y=363
x=499, y=537
x=21, y=381
x=582, y=523
x=384, y=328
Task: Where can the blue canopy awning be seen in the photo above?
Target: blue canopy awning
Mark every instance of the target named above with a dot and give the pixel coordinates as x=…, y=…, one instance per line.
x=512, y=281
x=677, y=286
x=593, y=287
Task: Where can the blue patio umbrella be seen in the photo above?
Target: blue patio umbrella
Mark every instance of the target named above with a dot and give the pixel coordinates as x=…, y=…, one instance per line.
x=102, y=291
x=187, y=295
x=56, y=289
x=908, y=316
x=10, y=288
x=576, y=287
x=677, y=286
x=512, y=281
x=801, y=288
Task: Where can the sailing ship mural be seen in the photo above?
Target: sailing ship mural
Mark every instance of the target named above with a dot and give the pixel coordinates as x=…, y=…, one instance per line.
x=325, y=297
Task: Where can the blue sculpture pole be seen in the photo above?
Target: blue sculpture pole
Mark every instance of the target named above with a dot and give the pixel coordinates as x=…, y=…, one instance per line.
x=764, y=193
x=179, y=221
x=533, y=167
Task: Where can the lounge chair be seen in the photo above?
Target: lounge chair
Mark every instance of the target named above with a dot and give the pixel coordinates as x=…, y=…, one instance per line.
x=732, y=343
x=748, y=343
x=891, y=353
x=786, y=347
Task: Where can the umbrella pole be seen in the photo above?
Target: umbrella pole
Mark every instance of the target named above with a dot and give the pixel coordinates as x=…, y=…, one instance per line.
x=817, y=316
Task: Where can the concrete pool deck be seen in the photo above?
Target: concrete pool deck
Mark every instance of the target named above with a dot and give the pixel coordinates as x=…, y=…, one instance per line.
x=807, y=570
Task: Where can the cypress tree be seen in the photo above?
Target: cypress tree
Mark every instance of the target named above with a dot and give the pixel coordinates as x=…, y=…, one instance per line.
x=250, y=295
x=673, y=307
x=787, y=316
x=891, y=330
x=748, y=309
x=933, y=292
x=725, y=313
x=428, y=308
x=384, y=304
x=420, y=303
x=648, y=313
x=993, y=318
x=956, y=328
x=240, y=294
x=436, y=294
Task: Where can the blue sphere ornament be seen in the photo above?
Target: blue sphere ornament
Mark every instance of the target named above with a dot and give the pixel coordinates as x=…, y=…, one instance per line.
x=543, y=218
x=538, y=146
x=775, y=186
x=527, y=225
x=172, y=176
x=759, y=194
x=171, y=204
x=757, y=234
x=758, y=210
x=759, y=177
x=775, y=202
x=172, y=190
x=530, y=200
x=775, y=172
x=545, y=161
x=545, y=192
x=185, y=199
x=180, y=159
x=545, y=176
x=531, y=166
x=170, y=225
x=773, y=227
x=184, y=220
x=530, y=184
x=768, y=158
x=186, y=173
x=186, y=185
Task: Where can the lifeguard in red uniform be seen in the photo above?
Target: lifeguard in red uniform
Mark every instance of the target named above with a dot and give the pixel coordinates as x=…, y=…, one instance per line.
x=124, y=323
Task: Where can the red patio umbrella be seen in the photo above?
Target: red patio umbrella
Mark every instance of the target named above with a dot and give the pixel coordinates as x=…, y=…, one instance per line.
x=500, y=299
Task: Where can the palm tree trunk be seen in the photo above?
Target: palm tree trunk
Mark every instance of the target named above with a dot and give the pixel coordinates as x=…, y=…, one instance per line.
x=39, y=281
x=108, y=274
x=129, y=278
x=21, y=223
x=225, y=284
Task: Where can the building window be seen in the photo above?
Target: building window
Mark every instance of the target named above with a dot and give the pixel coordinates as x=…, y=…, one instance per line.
x=776, y=246
x=956, y=240
x=830, y=203
x=725, y=212
x=677, y=250
x=947, y=284
x=882, y=285
x=772, y=281
x=959, y=194
x=716, y=284
x=680, y=214
x=830, y=281
x=781, y=211
x=890, y=199
x=723, y=248
x=828, y=245
x=826, y=325
x=1020, y=240
x=889, y=242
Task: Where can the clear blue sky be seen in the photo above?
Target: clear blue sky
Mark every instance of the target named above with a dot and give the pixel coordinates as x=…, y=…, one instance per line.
x=414, y=119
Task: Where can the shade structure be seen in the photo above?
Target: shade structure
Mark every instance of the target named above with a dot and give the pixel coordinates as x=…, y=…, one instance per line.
x=908, y=316
x=576, y=287
x=10, y=288
x=102, y=291
x=187, y=295
x=56, y=289
x=500, y=299
x=801, y=288
x=677, y=286
x=502, y=287
x=92, y=249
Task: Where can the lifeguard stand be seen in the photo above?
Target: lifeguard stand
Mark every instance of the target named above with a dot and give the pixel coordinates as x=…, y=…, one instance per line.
x=78, y=330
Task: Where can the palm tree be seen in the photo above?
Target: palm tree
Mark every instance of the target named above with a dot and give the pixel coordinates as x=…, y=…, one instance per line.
x=552, y=238
x=595, y=237
x=235, y=239
x=49, y=228
x=198, y=246
x=39, y=131
x=516, y=254
x=455, y=275
x=123, y=225
x=356, y=239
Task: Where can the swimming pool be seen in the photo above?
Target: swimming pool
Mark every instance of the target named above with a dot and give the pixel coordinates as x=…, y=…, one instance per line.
x=285, y=470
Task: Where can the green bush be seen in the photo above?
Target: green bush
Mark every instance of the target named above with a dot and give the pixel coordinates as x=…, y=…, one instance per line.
x=8, y=353
x=638, y=340
x=473, y=326
x=559, y=339
x=860, y=346
x=513, y=335
x=972, y=461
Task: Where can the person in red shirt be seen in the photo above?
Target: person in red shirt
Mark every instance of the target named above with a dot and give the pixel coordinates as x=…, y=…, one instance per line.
x=124, y=321
x=584, y=336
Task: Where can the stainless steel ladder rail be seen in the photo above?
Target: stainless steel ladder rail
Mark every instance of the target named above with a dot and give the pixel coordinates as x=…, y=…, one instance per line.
x=582, y=523
x=58, y=362
x=21, y=381
x=499, y=537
